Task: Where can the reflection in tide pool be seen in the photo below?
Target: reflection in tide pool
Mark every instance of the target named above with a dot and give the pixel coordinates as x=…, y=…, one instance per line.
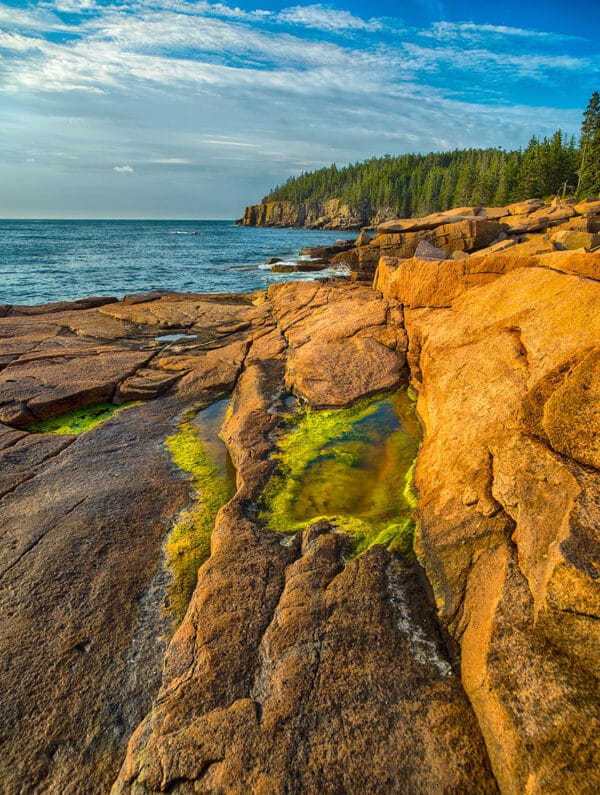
x=352, y=466
x=209, y=422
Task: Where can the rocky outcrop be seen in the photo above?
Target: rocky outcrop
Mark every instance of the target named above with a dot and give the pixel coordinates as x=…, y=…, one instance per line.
x=297, y=667
x=84, y=520
x=330, y=214
x=468, y=231
x=421, y=282
x=508, y=531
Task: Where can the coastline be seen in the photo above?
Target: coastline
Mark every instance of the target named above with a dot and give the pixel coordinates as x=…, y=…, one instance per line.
x=478, y=612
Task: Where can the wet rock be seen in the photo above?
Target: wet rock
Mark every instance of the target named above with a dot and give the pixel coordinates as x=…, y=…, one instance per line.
x=328, y=252
x=301, y=267
x=58, y=306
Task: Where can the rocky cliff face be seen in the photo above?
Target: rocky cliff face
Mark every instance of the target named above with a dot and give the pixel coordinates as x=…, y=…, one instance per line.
x=331, y=214
x=298, y=667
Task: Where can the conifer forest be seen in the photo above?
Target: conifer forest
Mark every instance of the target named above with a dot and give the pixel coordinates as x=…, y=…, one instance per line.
x=415, y=184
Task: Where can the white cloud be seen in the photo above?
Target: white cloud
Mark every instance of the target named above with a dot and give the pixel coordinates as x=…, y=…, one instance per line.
x=245, y=98
x=32, y=19
x=482, y=60
x=225, y=142
x=74, y=6
x=327, y=19
x=171, y=161
x=470, y=31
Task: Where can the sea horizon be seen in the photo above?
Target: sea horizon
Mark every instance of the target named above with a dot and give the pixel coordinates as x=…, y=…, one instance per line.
x=50, y=260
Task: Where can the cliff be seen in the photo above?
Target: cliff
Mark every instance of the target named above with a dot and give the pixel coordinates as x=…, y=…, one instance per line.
x=455, y=650
x=331, y=214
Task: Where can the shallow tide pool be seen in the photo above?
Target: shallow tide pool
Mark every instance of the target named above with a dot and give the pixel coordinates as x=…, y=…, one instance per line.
x=352, y=466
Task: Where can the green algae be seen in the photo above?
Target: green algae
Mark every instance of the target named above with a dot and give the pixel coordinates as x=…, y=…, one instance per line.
x=352, y=466
x=79, y=420
x=197, y=450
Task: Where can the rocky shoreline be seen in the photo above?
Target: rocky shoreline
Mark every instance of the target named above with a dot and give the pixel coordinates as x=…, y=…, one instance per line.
x=465, y=663
x=331, y=214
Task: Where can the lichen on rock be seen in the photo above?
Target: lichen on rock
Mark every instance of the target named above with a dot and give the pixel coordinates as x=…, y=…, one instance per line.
x=79, y=420
x=188, y=545
x=352, y=466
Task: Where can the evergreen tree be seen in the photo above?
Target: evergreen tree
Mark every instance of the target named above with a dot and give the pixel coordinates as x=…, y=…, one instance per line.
x=589, y=170
x=410, y=185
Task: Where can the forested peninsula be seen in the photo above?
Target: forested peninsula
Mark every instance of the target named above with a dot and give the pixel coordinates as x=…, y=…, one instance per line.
x=413, y=185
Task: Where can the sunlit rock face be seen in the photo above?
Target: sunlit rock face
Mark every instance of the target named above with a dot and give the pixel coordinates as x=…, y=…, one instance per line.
x=508, y=485
x=322, y=658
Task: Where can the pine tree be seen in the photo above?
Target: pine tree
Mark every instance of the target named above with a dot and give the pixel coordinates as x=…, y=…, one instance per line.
x=409, y=185
x=589, y=170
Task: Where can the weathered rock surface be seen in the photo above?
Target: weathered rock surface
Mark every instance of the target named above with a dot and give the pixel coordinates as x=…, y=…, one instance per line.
x=508, y=485
x=312, y=677
x=343, y=342
x=534, y=226
x=84, y=519
x=288, y=657
x=419, y=282
x=295, y=669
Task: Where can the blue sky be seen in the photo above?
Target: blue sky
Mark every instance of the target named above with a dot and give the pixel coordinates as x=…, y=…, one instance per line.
x=177, y=109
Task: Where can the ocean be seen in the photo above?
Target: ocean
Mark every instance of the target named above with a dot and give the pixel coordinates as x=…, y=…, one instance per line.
x=43, y=261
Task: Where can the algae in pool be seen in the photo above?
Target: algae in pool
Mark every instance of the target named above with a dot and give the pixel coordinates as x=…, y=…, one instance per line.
x=197, y=449
x=79, y=420
x=352, y=466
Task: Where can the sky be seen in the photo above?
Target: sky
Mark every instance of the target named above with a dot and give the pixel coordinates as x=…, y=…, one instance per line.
x=180, y=109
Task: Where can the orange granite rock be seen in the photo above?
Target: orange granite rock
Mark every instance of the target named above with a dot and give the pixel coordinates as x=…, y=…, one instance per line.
x=508, y=485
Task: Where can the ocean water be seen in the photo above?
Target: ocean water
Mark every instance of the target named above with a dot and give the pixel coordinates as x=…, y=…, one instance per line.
x=43, y=261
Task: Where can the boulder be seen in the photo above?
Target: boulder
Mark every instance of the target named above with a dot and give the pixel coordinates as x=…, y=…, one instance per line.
x=525, y=207
x=538, y=220
x=328, y=252
x=572, y=240
x=464, y=235
x=588, y=207
x=428, y=251
x=501, y=245
x=342, y=349
x=304, y=266
x=428, y=222
x=494, y=213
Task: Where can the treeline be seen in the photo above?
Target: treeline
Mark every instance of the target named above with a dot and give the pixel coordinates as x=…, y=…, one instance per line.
x=414, y=185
